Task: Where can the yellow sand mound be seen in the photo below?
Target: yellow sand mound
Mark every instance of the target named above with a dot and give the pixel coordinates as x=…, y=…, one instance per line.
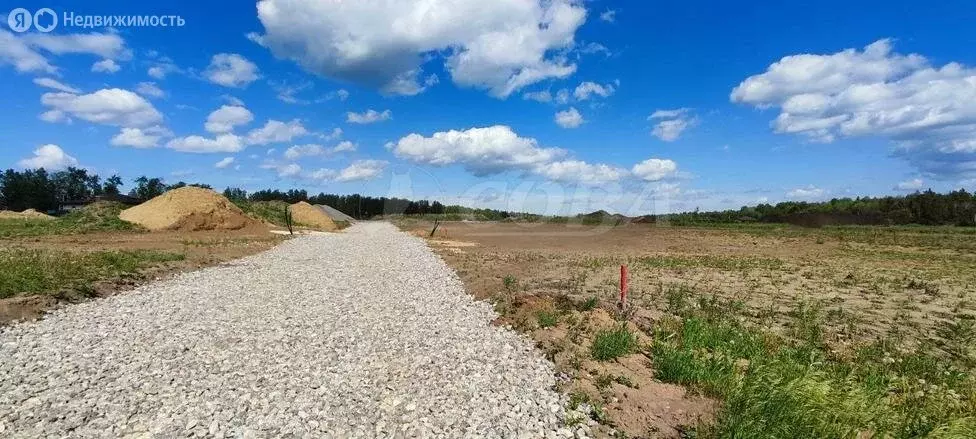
x=27, y=214
x=308, y=215
x=189, y=208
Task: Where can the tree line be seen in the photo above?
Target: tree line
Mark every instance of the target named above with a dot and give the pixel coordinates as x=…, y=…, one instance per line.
x=46, y=191
x=956, y=208
x=356, y=205
x=365, y=207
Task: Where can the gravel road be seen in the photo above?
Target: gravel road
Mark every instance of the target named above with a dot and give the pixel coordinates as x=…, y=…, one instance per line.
x=361, y=334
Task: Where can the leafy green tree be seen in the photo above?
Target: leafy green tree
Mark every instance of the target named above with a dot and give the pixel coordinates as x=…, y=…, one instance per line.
x=147, y=188
x=111, y=185
x=75, y=184
x=235, y=194
x=30, y=189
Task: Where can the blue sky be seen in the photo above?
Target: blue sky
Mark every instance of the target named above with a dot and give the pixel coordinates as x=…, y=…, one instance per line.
x=556, y=107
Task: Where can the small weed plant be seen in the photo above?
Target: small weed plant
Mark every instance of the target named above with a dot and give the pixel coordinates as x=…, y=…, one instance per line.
x=612, y=343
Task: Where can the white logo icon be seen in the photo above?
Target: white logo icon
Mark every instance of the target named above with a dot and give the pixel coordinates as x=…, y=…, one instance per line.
x=20, y=20
x=45, y=20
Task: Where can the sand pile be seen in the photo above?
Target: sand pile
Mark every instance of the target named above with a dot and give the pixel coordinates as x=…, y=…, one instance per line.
x=308, y=215
x=27, y=214
x=189, y=208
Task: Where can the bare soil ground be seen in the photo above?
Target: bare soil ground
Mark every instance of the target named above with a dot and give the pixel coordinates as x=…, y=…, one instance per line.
x=199, y=249
x=868, y=282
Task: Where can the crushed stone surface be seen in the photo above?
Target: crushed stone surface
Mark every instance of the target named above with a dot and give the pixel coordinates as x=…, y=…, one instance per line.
x=365, y=333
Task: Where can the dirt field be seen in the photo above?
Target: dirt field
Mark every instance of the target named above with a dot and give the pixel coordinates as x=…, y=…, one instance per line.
x=869, y=288
x=179, y=251
x=860, y=283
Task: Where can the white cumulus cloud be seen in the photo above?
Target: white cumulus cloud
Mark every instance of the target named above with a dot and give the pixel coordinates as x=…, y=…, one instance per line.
x=275, y=131
x=809, y=192
x=482, y=151
x=140, y=137
x=149, y=89
x=199, y=144
x=313, y=149
x=28, y=52
x=299, y=151
x=497, y=149
x=161, y=67
x=670, y=124
x=105, y=66
x=587, y=89
x=112, y=106
x=570, y=118
x=224, y=163
x=49, y=157
x=655, y=169
x=345, y=146
x=578, y=171
x=369, y=116
x=929, y=112
x=54, y=84
x=500, y=46
x=543, y=96
x=284, y=170
x=361, y=170
x=225, y=118
x=910, y=185
x=231, y=70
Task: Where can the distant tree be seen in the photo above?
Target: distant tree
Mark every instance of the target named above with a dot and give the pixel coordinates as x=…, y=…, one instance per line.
x=180, y=184
x=75, y=184
x=111, y=185
x=436, y=208
x=30, y=189
x=147, y=188
x=235, y=194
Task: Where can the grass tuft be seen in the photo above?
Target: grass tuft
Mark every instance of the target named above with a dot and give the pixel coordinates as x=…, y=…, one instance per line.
x=589, y=304
x=613, y=343
x=510, y=282
x=546, y=319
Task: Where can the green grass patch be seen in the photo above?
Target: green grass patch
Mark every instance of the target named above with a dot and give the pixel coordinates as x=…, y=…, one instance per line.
x=729, y=263
x=775, y=386
x=510, y=283
x=939, y=237
x=270, y=211
x=546, y=319
x=589, y=304
x=97, y=217
x=24, y=272
x=612, y=343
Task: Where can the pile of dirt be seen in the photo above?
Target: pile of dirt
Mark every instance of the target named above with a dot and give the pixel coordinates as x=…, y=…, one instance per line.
x=335, y=214
x=27, y=214
x=308, y=215
x=188, y=209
